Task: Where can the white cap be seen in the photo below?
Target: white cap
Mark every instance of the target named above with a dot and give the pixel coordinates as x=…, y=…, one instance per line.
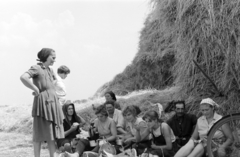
x=209, y=101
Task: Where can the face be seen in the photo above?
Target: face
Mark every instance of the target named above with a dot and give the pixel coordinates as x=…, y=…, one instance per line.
x=108, y=97
x=63, y=75
x=110, y=108
x=206, y=110
x=179, y=109
x=150, y=123
x=129, y=117
x=51, y=59
x=101, y=117
x=70, y=110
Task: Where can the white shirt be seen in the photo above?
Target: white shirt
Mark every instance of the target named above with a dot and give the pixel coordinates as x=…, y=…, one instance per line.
x=118, y=118
x=60, y=89
x=204, y=126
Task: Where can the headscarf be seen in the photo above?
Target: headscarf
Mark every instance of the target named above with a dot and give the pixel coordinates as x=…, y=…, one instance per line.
x=74, y=116
x=43, y=54
x=210, y=102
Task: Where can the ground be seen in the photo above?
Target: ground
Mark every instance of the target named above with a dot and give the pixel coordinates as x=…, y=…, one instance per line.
x=18, y=145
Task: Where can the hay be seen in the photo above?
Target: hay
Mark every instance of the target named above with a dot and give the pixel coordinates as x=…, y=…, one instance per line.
x=206, y=31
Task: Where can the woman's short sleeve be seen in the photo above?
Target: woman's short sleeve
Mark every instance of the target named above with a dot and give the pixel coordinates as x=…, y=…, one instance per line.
x=33, y=71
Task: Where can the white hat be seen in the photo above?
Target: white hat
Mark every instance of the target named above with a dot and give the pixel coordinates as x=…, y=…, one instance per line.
x=209, y=101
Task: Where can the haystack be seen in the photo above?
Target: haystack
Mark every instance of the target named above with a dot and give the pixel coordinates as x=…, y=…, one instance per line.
x=205, y=32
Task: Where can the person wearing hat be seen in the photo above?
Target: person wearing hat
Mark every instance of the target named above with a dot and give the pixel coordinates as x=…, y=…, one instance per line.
x=196, y=146
x=46, y=111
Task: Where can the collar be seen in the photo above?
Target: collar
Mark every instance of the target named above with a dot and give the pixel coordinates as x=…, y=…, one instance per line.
x=215, y=116
x=59, y=78
x=41, y=65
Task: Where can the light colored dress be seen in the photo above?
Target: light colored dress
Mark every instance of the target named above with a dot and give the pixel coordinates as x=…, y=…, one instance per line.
x=104, y=129
x=46, y=112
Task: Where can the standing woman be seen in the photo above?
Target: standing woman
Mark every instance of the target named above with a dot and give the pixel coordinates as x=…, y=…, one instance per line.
x=46, y=111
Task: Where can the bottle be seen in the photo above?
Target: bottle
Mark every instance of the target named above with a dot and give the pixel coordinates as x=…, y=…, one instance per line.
x=90, y=132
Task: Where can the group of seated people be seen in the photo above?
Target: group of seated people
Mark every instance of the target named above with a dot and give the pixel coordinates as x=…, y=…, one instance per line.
x=184, y=135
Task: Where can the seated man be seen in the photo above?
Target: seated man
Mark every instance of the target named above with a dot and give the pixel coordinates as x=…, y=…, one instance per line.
x=197, y=148
x=182, y=123
x=116, y=115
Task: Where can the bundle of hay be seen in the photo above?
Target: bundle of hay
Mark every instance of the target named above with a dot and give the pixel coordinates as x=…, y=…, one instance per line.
x=207, y=32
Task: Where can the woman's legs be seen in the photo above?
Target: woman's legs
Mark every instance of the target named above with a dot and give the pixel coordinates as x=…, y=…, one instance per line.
x=36, y=148
x=51, y=148
x=185, y=150
x=82, y=144
x=198, y=151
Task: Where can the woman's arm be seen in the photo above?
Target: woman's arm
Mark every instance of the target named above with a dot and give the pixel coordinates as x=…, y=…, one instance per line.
x=166, y=132
x=195, y=134
x=142, y=132
x=121, y=130
x=73, y=128
x=25, y=78
x=113, y=130
x=228, y=134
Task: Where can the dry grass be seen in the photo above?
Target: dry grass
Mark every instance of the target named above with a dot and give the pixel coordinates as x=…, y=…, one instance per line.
x=17, y=145
x=208, y=32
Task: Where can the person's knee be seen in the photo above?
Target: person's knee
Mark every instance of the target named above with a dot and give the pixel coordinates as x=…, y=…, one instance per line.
x=67, y=147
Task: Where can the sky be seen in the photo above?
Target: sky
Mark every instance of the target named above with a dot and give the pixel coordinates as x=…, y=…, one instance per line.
x=96, y=39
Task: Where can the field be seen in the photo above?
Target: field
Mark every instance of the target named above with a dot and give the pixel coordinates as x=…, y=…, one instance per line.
x=16, y=120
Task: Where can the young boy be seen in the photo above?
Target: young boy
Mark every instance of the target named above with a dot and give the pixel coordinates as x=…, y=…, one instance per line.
x=62, y=73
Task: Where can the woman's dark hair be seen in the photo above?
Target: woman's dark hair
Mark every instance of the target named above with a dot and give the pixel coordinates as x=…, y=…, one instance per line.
x=102, y=110
x=130, y=109
x=112, y=95
x=63, y=70
x=138, y=110
x=44, y=54
x=152, y=115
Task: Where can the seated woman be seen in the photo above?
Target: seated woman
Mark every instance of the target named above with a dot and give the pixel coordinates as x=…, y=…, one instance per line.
x=105, y=126
x=195, y=147
x=163, y=139
x=72, y=124
x=133, y=122
x=110, y=96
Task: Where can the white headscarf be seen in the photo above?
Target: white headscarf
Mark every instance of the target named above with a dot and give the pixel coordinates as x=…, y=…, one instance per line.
x=210, y=102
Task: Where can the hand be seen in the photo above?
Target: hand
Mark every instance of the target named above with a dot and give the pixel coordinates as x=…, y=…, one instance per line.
x=221, y=151
x=73, y=128
x=137, y=127
x=36, y=92
x=153, y=146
